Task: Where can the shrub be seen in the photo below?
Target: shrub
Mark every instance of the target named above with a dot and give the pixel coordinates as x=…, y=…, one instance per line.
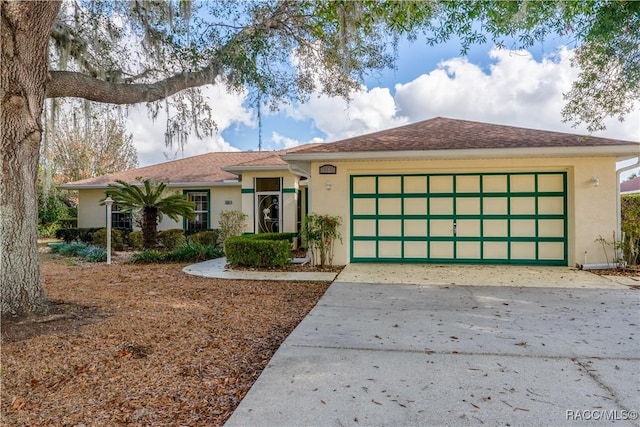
x=99, y=238
x=48, y=230
x=206, y=238
x=171, y=239
x=232, y=223
x=136, y=240
x=76, y=234
x=320, y=233
x=630, y=242
x=148, y=256
x=185, y=253
x=81, y=250
x=193, y=252
x=69, y=249
x=259, y=250
x=93, y=254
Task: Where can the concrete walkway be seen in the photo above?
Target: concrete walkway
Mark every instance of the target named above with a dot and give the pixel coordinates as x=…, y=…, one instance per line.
x=418, y=354
x=215, y=268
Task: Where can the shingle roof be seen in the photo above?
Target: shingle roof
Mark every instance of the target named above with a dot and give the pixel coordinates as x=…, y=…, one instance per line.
x=632, y=185
x=448, y=134
x=202, y=168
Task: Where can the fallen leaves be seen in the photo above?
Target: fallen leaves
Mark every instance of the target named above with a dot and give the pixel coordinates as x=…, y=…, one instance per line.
x=158, y=348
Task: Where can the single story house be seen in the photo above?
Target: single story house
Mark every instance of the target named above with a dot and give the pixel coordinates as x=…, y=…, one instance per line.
x=440, y=190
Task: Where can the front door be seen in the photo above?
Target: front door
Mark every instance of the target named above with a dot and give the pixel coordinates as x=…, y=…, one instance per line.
x=268, y=216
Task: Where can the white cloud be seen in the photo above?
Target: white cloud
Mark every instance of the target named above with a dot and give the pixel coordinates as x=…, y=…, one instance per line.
x=368, y=111
x=149, y=139
x=280, y=141
x=517, y=91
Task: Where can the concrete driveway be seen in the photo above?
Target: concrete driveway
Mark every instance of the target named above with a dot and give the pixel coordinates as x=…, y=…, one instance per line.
x=411, y=354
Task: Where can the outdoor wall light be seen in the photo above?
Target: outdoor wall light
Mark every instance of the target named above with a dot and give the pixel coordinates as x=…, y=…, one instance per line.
x=328, y=185
x=595, y=181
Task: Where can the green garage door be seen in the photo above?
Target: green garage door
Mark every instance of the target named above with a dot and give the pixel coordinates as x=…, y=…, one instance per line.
x=494, y=218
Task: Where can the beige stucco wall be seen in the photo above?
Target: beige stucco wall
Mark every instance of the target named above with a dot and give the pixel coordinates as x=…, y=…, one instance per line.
x=289, y=199
x=591, y=210
x=92, y=214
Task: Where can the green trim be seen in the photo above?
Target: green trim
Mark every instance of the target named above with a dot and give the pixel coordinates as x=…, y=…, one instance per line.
x=208, y=192
x=290, y=190
x=509, y=217
x=247, y=191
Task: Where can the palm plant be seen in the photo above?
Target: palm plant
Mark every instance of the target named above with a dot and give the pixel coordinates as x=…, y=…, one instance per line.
x=152, y=202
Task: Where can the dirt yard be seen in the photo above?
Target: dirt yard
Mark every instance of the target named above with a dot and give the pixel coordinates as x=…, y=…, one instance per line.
x=143, y=345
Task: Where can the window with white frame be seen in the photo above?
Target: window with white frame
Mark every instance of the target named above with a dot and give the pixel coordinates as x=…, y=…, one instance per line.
x=200, y=198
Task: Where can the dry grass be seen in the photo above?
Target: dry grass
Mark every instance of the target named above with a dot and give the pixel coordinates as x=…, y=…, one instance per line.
x=143, y=345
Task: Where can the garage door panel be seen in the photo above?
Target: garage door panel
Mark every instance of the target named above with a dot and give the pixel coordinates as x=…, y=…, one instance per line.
x=390, y=227
x=551, y=183
x=495, y=205
x=415, y=250
x=468, y=250
x=389, y=249
x=364, y=185
x=441, y=250
x=441, y=184
x=496, y=250
x=522, y=183
x=364, y=249
x=441, y=227
x=364, y=227
x=441, y=206
x=490, y=218
x=495, y=183
x=415, y=184
x=389, y=184
x=467, y=184
x=364, y=207
x=390, y=206
x=468, y=228
x=551, y=205
x=415, y=206
x=551, y=228
x=467, y=206
x=523, y=205
x=415, y=228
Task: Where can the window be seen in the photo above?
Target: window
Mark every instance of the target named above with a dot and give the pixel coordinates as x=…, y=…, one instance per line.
x=201, y=210
x=120, y=219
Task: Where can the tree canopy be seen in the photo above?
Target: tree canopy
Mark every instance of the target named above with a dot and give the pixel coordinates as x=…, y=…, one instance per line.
x=130, y=52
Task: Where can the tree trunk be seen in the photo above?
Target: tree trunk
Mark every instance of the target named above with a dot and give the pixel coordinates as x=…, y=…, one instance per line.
x=24, y=36
x=150, y=227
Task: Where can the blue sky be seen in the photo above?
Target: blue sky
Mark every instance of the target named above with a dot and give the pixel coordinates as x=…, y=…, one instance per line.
x=517, y=88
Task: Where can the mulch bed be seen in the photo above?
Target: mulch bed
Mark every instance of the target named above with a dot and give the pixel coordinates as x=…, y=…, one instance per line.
x=143, y=345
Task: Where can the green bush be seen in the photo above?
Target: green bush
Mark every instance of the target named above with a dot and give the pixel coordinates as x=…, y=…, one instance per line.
x=232, y=223
x=193, y=252
x=69, y=249
x=48, y=230
x=93, y=254
x=320, y=232
x=171, y=239
x=185, y=253
x=99, y=238
x=260, y=250
x=148, y=256
x=206, y=238
x=81, y=250
x=136, y=240
x=76, y=234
